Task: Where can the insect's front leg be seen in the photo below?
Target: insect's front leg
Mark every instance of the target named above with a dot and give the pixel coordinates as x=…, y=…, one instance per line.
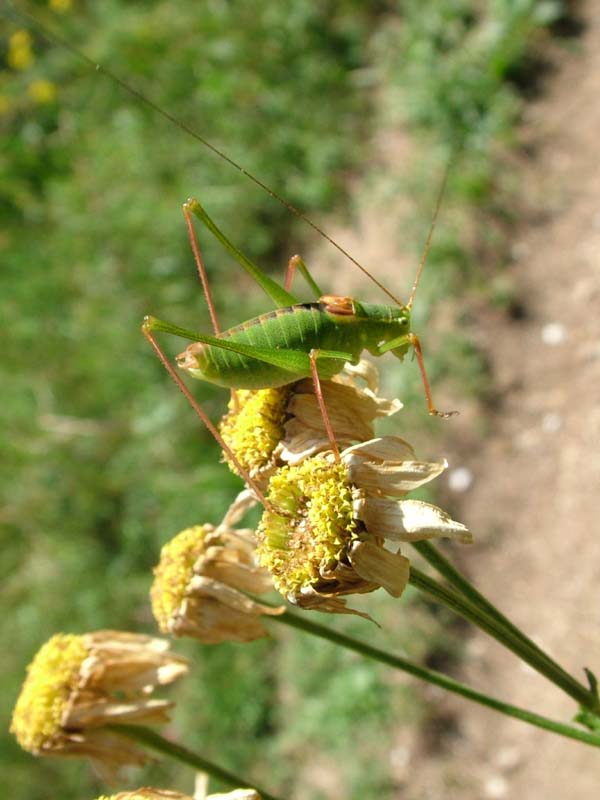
x=412, y=340
x=147, y=330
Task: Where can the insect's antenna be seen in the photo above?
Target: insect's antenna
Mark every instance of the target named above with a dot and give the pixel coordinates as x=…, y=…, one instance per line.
x=55, y=38
x=438, y=204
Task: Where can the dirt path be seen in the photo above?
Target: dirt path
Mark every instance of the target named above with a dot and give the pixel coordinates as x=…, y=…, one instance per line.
x=534, y=503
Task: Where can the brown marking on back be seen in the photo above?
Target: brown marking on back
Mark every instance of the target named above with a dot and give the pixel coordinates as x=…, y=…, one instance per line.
x=334, y=304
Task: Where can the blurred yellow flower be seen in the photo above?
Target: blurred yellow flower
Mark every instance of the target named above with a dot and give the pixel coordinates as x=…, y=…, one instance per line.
x=20, y=55
x=5, y=104
x=42, y=91
x=60, y=6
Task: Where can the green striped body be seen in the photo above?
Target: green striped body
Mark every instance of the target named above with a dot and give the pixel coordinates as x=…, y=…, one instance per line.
x=300, y=328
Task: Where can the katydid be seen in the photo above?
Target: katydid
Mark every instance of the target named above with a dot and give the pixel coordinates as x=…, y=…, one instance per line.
x=296, y=340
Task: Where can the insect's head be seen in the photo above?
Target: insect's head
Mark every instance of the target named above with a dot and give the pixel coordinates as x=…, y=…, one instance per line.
x=193, y=359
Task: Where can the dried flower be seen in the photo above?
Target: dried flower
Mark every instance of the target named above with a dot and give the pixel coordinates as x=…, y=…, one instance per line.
x=326, y=537
x=203, y=579
x=267, y=428
x=148, y=793
x=78, y=685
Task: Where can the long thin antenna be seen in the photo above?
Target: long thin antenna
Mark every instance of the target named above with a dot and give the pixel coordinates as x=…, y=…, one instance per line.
x=55, y=38
x=438, y=205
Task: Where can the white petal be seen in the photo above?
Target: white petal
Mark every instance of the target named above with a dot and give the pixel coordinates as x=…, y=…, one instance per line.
x=394, y=479
x=384, y=448
x=242, y=503
x=408, y=520
x=201, y=587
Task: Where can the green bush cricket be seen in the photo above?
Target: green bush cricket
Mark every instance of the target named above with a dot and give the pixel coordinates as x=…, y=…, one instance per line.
x=297, y=340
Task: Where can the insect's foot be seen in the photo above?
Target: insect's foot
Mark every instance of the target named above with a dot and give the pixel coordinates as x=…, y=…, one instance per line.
x=443, y=414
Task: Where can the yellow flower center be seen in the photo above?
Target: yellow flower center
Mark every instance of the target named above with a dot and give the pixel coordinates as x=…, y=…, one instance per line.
x=174, y=571
x=253, y=427
x=315, y=525
x=51, y=677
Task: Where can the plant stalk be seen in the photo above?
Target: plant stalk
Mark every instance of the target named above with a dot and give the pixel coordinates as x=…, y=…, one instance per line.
x=496, y=624
x=436, y=678
x=155, y=741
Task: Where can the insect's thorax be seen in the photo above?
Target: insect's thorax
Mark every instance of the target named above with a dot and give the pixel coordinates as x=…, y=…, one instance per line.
x=381, y=325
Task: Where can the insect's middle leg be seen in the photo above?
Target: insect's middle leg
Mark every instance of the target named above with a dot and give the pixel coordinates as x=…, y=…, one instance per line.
x=201, y=269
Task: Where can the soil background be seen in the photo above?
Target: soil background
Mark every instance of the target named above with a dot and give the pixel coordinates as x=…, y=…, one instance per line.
x=534, y=500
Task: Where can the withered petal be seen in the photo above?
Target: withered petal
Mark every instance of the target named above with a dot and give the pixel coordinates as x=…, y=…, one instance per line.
x=408, y=520
x=394, y=480
x=375, y=563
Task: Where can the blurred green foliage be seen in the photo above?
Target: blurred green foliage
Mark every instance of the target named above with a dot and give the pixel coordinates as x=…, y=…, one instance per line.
x=102, y=461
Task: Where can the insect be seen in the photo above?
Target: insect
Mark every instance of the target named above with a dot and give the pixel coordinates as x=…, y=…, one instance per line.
x=297, y=339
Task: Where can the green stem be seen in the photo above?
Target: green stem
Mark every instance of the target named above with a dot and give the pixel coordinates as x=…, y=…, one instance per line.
x=436, y=678
x=504, y=629
x=460, y=582
x=478, y=616
x=155, y=741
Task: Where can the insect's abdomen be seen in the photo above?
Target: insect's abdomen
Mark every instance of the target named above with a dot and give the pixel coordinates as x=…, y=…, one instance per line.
x=300, y=327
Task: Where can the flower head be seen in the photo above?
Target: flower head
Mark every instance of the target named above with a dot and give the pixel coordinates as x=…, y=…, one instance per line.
x=77, y=685
x=267, y=428
x=325, y=532
x=203, y=581
x=254, y=426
